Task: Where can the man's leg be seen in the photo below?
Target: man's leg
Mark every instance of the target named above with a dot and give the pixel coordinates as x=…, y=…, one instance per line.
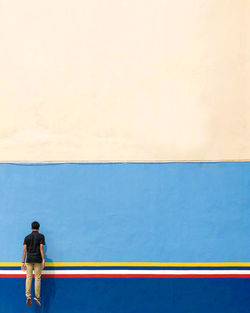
x=38, y=273
x=28, y=282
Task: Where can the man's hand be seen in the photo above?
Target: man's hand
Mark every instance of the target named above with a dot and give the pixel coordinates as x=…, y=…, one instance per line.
x=43, y=264
x=23, y=267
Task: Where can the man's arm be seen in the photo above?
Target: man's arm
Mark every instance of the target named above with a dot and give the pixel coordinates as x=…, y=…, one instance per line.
x=24, y=253
x=42, y=254
x=24, y=256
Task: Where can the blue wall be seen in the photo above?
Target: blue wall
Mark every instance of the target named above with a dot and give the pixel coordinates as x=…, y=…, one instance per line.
x=135, y=295
x=146, y=212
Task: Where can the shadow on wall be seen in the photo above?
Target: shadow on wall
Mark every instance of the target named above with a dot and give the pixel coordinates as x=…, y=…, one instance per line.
x=48, y=290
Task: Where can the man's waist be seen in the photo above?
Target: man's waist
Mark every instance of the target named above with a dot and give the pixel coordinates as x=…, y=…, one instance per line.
x=34, y=252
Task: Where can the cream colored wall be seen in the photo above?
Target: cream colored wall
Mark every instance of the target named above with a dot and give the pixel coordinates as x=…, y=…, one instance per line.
x=124, y=80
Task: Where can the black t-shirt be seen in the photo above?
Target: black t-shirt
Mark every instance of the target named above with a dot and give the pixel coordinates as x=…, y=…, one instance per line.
x=33, y=242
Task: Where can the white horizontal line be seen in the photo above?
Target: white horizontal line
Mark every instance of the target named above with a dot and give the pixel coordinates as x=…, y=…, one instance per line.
x=156, y=272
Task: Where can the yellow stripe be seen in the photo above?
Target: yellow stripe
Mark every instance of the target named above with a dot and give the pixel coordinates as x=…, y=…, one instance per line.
x=134, y=264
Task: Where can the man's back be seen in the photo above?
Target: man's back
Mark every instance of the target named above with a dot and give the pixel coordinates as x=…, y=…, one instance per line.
x=33, y=242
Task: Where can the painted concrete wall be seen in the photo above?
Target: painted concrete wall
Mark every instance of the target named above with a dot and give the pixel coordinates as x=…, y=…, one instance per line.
x=124, y=80
x=131, y=295
x=111, y=80
x=170, y=212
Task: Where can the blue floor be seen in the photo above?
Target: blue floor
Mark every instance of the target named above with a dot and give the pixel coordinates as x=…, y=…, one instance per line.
x=130, y=295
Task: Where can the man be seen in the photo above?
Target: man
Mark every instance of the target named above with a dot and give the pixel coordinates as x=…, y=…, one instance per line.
x=34, y=247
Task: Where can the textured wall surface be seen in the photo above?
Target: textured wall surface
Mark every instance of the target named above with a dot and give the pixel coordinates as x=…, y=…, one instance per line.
x=94, y=81
x=132, y=296
x=170, y=212
x=129, y=212
x=124, y=80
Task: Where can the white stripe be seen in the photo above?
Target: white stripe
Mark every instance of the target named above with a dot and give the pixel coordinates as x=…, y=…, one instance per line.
x=142, y=272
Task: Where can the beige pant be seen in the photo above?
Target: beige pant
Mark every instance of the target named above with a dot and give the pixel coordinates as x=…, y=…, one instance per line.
x=38, y=271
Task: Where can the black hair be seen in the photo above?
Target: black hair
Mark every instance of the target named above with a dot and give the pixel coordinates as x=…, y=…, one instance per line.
x=35, y=225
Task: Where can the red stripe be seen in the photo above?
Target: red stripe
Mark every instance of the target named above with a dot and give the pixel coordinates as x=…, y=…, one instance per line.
x=12, y=275
x=131, y=276
x=146, y=276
